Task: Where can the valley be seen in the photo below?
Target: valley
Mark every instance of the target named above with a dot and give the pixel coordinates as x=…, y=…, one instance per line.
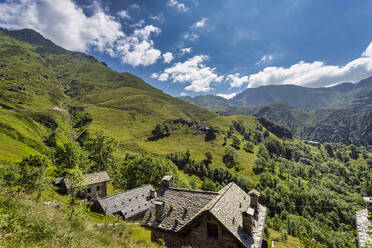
x=79, y=115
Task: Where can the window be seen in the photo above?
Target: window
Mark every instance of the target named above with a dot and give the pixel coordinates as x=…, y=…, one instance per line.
x=212, y=230
x=97, y=188
x=88, y=190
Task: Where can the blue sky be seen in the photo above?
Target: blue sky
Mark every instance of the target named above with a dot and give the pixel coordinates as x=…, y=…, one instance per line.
x=218, y=47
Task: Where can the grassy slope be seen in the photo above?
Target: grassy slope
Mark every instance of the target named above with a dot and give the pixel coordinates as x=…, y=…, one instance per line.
x=121, y=104
x=50, y=227
x=35, y=80
x=291, y=242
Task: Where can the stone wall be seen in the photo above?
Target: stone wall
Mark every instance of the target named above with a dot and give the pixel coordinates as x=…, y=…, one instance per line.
x=102, y=191
x=197, y=236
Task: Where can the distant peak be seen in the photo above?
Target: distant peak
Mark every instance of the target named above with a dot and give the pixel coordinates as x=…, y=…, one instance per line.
x=33, y=37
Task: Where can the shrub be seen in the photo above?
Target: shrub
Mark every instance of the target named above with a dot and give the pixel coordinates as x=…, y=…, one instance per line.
x=248, y=147
x=230, y=158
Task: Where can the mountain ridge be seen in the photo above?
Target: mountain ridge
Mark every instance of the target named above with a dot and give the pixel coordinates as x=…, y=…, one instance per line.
x=343, y=95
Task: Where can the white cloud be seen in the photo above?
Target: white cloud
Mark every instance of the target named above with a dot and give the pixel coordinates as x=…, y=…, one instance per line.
x=160, y=76
x=63, y=22
x=138, y=24
x=163, y=77
x=315, y=74
x=191, y=36
x=186, y=50
x=167, y=57
x=193, y=71
x=154, y=75
x=200, y=23
x=183, y=94
x=67, y=25
x=368, y=51
x=137, y=49
x=193, y=33
x=265, y=59
x=227, y=96
x=159, y=18
x=178, y=5
x=134, y=6
x=236, y=80
x=124, y=14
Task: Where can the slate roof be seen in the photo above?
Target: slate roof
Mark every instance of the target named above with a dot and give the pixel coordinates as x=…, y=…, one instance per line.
x=92, y=178
x=183, y=206
x=58, y=180
x=362, y=225
x=129, y=203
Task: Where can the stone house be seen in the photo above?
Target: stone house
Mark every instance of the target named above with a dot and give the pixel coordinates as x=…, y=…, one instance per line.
x=364, y=224
x=95, y=184
x=193, y=218
x=129, y=204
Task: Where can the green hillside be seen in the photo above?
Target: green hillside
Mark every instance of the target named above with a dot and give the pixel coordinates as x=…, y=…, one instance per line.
x=51, y=97
x=348, y=126
x=37, y=77
x=209, y=101
x=43, y=83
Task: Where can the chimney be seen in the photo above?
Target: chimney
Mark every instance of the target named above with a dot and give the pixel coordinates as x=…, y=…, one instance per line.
x=254, y=194
x=167, y=181
x=159, y=210
x=152, y=193
x=247, y=217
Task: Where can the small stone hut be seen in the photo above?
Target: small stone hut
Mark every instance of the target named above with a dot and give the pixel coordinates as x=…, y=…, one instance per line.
x=193, y=218
x=129, y=204
x=95, y=183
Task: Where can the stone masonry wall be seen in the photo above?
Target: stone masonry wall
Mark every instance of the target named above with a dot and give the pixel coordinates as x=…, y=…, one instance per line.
x=93, y=190
x=198, y=237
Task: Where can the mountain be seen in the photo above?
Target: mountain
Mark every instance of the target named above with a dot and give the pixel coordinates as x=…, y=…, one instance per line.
x=208, y=101
x=348, y=126
x=40, y=81
x=344, y=95
x=49, y=94
x=342, y=113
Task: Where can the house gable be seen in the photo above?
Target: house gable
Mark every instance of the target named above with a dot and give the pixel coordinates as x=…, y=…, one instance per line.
x=204, y=231
x=238, y=217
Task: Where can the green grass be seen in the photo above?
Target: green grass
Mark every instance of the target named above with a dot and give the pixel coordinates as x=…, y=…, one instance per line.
x=33, y=224
x=13, y=150
x=290, y=243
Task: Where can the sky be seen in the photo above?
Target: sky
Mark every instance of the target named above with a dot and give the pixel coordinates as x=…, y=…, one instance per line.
x=219, y=47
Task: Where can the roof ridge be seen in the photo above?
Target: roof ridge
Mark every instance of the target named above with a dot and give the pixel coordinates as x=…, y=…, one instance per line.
x=129, y=190
x=194, y=191
x=221, y=195
x=96, y=172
